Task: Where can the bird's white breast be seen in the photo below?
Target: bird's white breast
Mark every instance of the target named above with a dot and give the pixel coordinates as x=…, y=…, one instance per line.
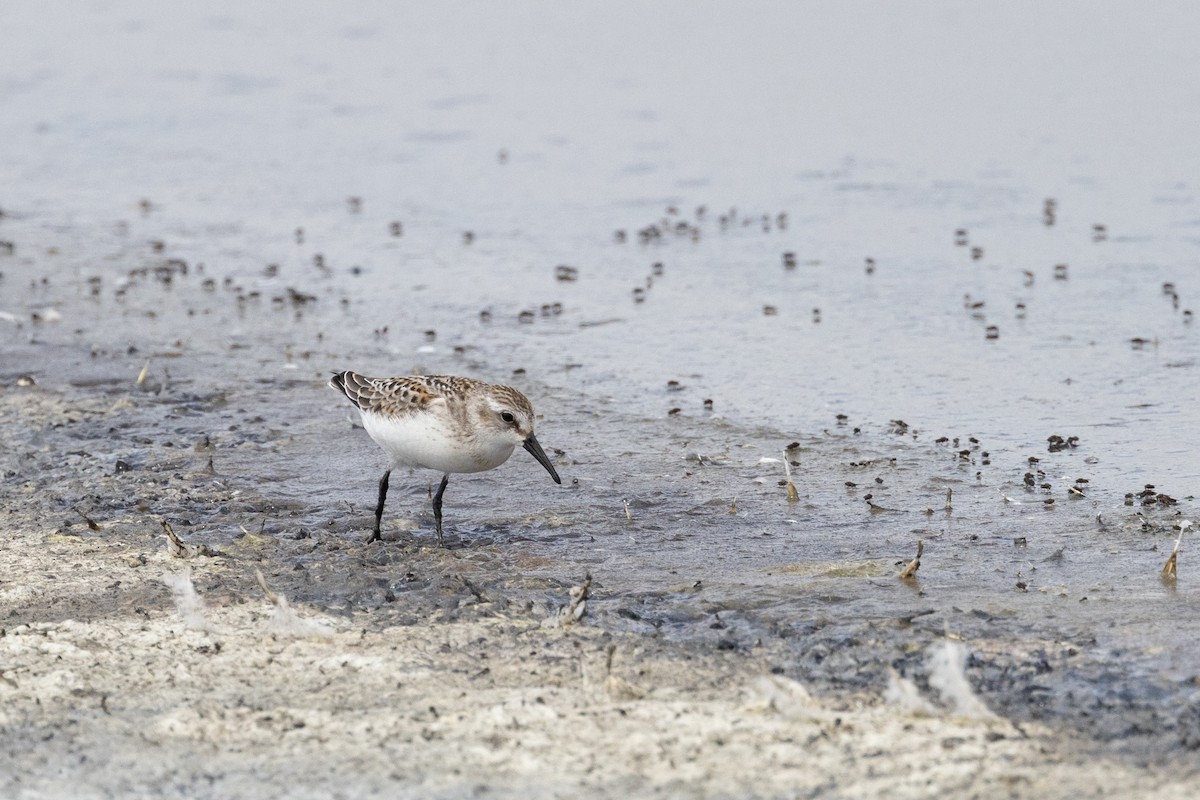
x=432, y=441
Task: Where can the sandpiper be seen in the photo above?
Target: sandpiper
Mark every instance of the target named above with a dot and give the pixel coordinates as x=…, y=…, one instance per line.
x=441, y=422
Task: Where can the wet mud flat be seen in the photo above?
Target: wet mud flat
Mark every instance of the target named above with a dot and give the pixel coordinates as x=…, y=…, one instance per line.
x=737, y=638
x=404, y=667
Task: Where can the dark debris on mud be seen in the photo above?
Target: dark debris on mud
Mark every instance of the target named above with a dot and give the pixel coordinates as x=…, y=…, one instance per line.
x=94, y=471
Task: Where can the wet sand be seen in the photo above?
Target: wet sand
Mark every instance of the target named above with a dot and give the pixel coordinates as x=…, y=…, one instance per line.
x=404, y=669
x=401, y=667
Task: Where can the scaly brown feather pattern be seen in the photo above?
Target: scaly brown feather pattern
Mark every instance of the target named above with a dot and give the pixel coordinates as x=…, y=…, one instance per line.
x=407, y=394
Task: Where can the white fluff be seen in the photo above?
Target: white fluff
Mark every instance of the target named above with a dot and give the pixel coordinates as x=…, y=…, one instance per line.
x=904, y=694
x=946, y=662
x=780, y=695
x=187, y=602
x=283, y=621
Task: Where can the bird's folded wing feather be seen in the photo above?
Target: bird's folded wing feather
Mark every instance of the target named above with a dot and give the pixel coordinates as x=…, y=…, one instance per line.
x=389, y=397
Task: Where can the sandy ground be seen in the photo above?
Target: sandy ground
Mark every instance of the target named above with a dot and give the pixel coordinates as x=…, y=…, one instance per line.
x=229, y=705
x=129, y=670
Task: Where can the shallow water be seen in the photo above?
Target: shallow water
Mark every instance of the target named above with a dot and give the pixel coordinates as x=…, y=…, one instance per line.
x=545, y=132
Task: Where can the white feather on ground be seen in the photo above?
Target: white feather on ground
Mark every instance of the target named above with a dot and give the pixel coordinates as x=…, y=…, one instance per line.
x=283, y=621
x=187, y=602
x=946, y=662
x=905, y=696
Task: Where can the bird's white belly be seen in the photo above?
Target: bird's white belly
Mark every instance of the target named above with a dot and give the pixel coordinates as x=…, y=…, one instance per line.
x=427, y=441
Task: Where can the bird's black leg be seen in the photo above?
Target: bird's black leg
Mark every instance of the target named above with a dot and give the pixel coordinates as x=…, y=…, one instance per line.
x=383, y=484
x=437, y=506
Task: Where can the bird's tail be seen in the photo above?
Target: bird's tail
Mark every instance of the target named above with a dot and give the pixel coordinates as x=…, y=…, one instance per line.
x=338, y=381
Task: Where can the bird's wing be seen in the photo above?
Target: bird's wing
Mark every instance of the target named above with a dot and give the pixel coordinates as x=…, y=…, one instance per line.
x=388, y=397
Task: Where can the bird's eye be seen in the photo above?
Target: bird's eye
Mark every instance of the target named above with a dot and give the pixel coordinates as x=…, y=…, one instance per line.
x=507, y=416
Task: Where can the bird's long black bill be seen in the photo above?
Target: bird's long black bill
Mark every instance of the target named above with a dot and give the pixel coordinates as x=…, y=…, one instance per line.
x=535, y=450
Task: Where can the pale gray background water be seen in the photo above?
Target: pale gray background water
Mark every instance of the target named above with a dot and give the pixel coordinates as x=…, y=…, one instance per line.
x=878, y=128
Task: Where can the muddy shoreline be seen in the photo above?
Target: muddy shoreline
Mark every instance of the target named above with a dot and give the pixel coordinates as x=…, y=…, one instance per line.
x=695, y=694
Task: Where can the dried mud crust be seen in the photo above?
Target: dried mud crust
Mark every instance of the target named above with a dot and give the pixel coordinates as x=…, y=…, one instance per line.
x=124, y=670
x=144, y=704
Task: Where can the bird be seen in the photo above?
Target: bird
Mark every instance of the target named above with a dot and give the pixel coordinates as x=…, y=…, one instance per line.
x=446, y=423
